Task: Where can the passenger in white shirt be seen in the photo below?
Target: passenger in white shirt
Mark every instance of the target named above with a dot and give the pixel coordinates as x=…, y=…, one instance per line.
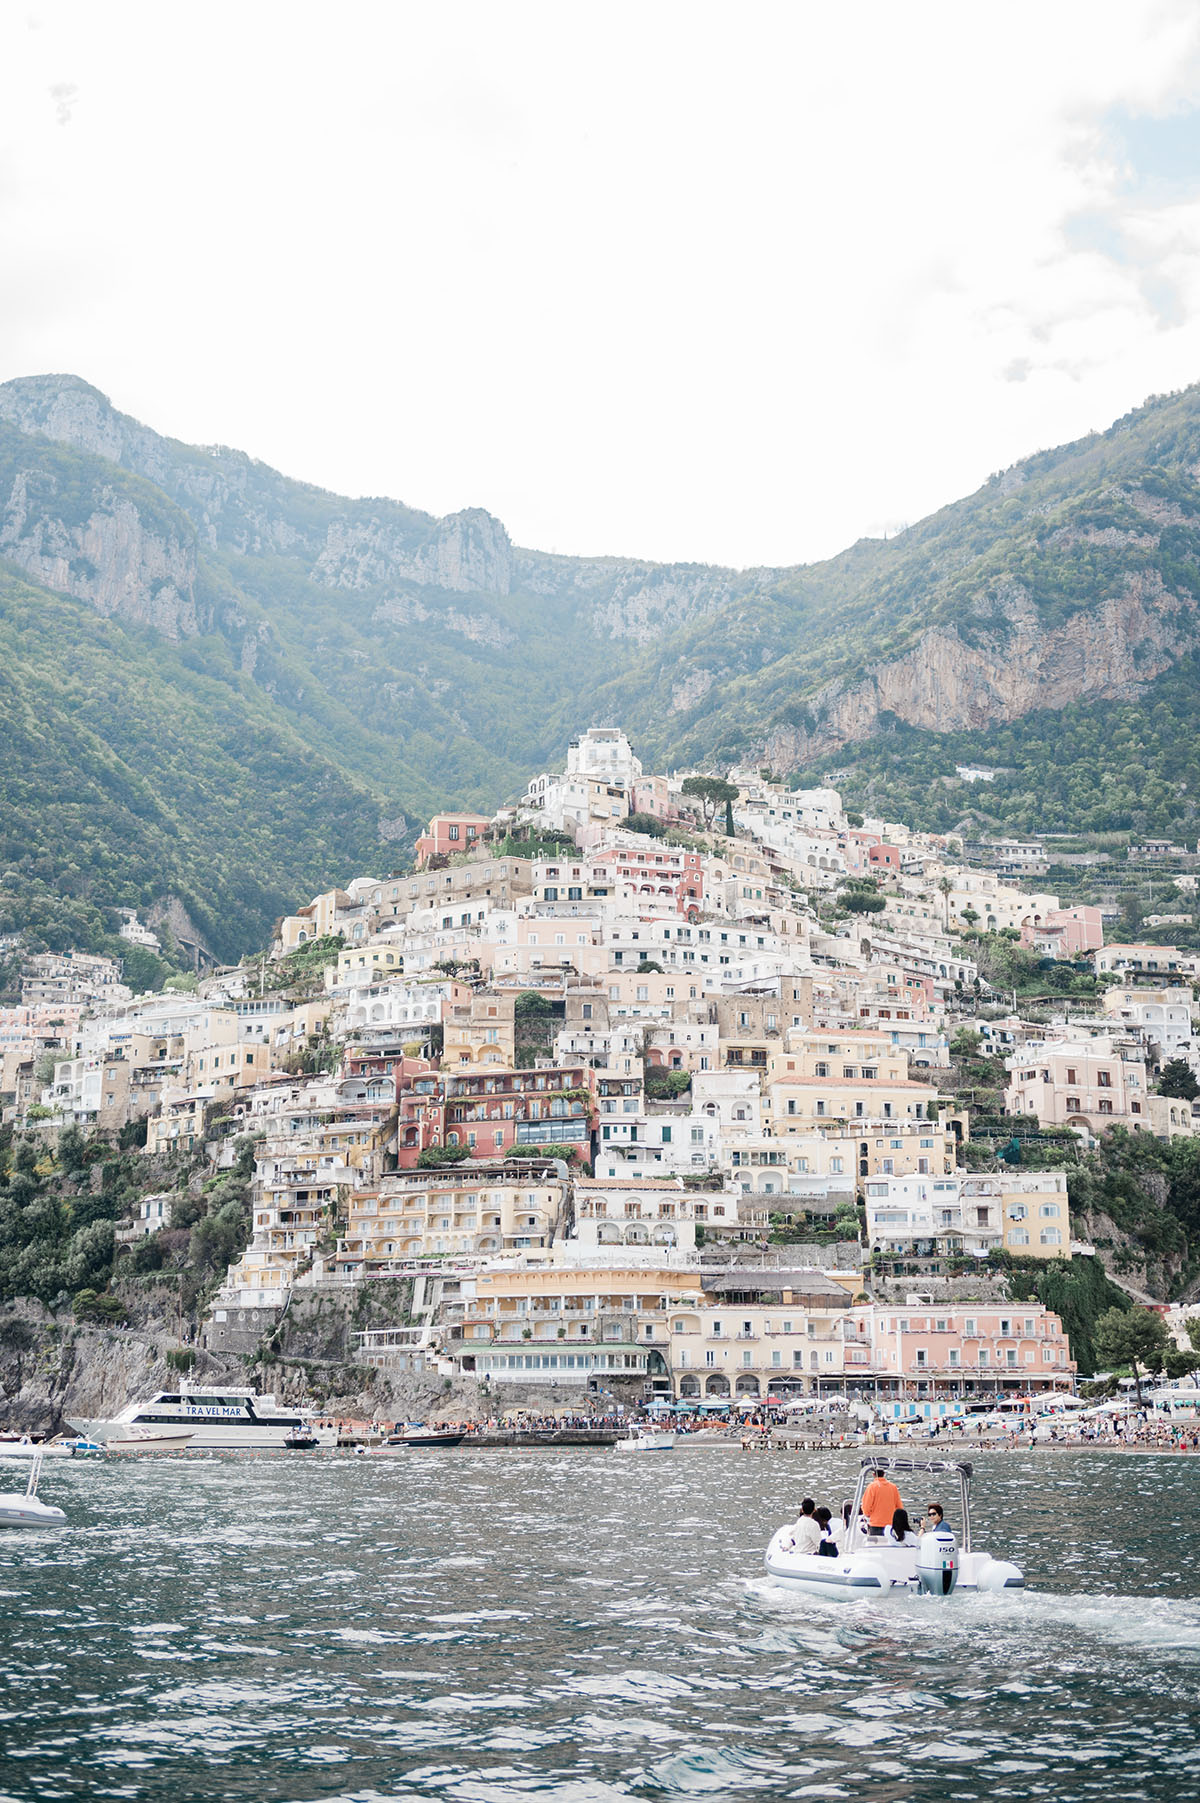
x=806, y=1533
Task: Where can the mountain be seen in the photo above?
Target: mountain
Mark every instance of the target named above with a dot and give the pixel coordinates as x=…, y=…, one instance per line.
x=257, y=686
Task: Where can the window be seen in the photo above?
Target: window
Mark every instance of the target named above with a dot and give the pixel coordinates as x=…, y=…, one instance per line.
x=1050, y=1236
x=1048, y=1211
x=1104, y=1079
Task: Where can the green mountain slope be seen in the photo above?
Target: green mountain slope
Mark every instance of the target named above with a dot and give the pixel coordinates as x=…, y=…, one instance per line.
x=129, y=772
x=991, y=600
x=359, y=649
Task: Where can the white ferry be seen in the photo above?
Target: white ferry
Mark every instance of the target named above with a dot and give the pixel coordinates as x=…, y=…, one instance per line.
x=220, y=1419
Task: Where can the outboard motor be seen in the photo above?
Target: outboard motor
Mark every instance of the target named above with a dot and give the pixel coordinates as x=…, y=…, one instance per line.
x=937, y=1562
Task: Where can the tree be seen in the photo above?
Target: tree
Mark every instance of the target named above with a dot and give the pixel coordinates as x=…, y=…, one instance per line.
x=729, y=817
x=711, y=792
x=1131, y=1337
x=1178, y=1079
x=644, y=823
x=861, y=901
x=433, y=1156
x=92, y=1305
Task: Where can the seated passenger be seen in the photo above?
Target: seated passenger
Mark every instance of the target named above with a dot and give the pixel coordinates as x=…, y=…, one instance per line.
x=827, y=1547
x=935, y=1518
x=901, y=1531
x=806, y=1533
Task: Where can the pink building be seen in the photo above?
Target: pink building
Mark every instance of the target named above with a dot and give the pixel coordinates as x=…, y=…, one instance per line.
x=449, y=833
x=659, y=871
x=1087, y=1084
x=652, y=795
x=1064, y=932
x=868, y=852
x=974, y=1347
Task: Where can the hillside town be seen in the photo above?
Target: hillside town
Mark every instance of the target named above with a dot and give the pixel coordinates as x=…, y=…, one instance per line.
x=641, y=1084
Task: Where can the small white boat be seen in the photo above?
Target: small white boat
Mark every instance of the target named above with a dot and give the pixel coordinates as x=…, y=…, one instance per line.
x=26, y=1448
x=25, y=1509
x=935, y=1564
x=147, y=1442
x=647, y=1439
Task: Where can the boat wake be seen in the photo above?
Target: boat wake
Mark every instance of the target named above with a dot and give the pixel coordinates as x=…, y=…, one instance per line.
x=1159, y=1624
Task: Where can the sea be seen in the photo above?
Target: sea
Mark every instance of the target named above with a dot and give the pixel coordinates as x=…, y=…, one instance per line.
x=577, y=1626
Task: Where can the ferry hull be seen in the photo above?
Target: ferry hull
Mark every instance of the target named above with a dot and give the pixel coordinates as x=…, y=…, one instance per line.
x=198, y=1436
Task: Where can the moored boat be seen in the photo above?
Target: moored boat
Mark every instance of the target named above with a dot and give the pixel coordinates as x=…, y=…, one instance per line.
x=218, y=1419
x=935, y=1563
x=647, y=1439
x=25, y=1509
x=25, y=1448
x=419, y=1435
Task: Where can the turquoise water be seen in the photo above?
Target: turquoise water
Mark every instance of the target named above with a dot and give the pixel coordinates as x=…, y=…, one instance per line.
x=580, y=1627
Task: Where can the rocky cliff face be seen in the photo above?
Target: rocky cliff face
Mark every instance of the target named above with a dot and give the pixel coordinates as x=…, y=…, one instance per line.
x=947, y=683
x=113, y=559
x=466, y=553
x=624, y=598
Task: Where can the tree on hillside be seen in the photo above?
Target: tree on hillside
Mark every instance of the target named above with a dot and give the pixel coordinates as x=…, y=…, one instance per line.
x=1131, y=1337
x=711, y=792
x=1178, y=1079
x=861, y=901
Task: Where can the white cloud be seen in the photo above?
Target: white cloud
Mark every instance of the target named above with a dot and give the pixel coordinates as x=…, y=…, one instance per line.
x=680, y=281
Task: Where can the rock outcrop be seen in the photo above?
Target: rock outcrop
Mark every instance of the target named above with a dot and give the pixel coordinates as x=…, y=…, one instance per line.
x=466, y=553
x=113, y=558
x=950, y=683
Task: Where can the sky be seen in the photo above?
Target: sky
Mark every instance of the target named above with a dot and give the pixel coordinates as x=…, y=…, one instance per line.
x=712, y=283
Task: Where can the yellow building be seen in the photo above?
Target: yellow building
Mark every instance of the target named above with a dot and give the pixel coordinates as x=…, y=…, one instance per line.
x=562, y=1325
x=456, y=1211
x=758, y=1333
x=479, y=1033
x=370, y=962
x=845, y=1077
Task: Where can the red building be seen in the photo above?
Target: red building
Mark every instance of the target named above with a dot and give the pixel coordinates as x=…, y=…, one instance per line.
x=448, y=833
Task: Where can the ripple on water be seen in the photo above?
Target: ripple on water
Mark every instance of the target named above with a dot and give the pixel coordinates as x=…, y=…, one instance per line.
x=483, y=1627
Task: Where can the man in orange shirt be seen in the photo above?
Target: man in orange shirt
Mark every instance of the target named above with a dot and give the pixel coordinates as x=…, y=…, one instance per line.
x=879, y=1504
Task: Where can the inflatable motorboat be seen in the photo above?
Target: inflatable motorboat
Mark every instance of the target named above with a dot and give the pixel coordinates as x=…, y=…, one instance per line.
x=25, y=1509
x=934, y=1564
